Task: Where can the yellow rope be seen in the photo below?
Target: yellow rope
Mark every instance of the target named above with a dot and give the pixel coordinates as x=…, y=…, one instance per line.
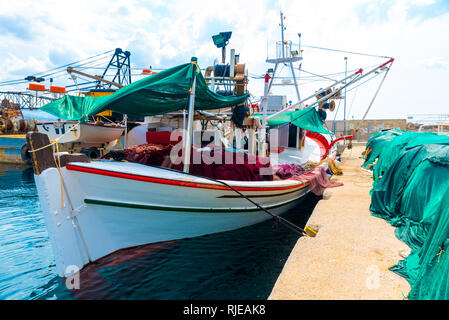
x=54, y=143
x=331, y=163
x=58, y=166
x=196, y=64
x=55, y=147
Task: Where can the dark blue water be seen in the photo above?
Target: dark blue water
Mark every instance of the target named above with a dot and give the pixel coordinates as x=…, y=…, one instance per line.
x=240, y=264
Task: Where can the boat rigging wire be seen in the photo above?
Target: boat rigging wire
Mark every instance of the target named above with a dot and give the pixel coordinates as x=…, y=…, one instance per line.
x=344, y=51
x=60, y=71
x=338, y=107
x=256, y=76
x=353, y=99
x=375, y=94
x=72, y=63
x=320, y=76
x=63, y=72
x=356, y=88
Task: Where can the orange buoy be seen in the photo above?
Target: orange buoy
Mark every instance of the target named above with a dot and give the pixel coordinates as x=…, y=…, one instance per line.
x=57, y=89
x=148, y=72
x=36, y=87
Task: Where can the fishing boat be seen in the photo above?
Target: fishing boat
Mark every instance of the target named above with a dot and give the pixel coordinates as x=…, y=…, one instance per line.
x=81, y=134
x=88, y=137
x=13, y=127
x=93, y=208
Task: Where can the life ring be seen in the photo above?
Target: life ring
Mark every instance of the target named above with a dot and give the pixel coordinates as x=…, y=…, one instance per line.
x=410, y=126
x=332, y=105
x=25, y=154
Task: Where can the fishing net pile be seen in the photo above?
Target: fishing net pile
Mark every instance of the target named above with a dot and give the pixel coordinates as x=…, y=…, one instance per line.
x=411, y=191
x=229, y=164
x=149, y=154
x=313, y=172
x=211, y=162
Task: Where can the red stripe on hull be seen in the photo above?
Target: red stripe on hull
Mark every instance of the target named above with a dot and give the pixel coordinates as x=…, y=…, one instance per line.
x=176, y=182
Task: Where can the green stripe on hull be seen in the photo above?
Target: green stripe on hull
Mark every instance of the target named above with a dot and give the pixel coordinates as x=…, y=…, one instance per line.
x=163, y=208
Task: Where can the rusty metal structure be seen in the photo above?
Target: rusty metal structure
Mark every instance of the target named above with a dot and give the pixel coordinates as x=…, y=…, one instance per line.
x=24, y=99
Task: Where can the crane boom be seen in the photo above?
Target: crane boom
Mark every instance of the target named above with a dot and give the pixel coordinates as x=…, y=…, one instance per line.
x=71, y=70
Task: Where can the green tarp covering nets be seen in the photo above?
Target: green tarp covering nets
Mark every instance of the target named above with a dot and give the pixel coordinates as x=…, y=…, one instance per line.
x=411, y=192
x=378, y=141
x=307, y=119
x=161, y=93
x=392, y=149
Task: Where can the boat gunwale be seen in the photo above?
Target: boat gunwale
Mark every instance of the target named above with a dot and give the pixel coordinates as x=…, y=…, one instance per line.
x=138, y=177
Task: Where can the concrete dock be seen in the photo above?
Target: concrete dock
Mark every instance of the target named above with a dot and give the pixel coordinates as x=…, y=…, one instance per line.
x=352, y=252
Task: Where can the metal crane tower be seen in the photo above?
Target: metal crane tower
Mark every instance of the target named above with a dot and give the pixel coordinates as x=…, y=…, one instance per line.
x=121, y=61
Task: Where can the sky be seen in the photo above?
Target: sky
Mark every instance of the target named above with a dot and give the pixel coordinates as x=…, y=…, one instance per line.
x=36, y=36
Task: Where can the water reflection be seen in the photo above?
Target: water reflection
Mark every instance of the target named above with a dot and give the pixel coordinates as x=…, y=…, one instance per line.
x=239, y=264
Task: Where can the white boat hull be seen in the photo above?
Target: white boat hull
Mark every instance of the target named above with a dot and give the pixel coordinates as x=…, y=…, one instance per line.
x=118, y=205
x=84, y=134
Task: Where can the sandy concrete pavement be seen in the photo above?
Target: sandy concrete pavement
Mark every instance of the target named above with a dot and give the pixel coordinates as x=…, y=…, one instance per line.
x=350, y=256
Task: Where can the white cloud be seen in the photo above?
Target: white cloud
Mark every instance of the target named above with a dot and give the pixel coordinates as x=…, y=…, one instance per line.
x=162, y=34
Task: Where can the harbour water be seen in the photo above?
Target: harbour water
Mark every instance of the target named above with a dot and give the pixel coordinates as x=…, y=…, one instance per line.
x=240, y=264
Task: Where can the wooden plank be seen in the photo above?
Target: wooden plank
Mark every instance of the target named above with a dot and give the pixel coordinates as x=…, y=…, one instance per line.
x=43, y=157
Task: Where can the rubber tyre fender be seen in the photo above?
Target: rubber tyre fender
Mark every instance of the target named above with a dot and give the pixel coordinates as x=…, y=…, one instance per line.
x=25, y=154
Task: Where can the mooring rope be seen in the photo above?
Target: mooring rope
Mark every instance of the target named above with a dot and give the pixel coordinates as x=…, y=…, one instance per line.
x=286, y=222
x=55, y=147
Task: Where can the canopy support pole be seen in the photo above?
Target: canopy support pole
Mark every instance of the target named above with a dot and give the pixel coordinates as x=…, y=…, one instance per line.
x=264, y=105
x=125, y=144
x=189, y=132
x=344, y=112
x=184, y=119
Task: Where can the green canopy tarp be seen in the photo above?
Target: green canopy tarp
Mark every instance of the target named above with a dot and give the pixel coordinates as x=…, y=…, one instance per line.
x=161, y=93
x=307, y=119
